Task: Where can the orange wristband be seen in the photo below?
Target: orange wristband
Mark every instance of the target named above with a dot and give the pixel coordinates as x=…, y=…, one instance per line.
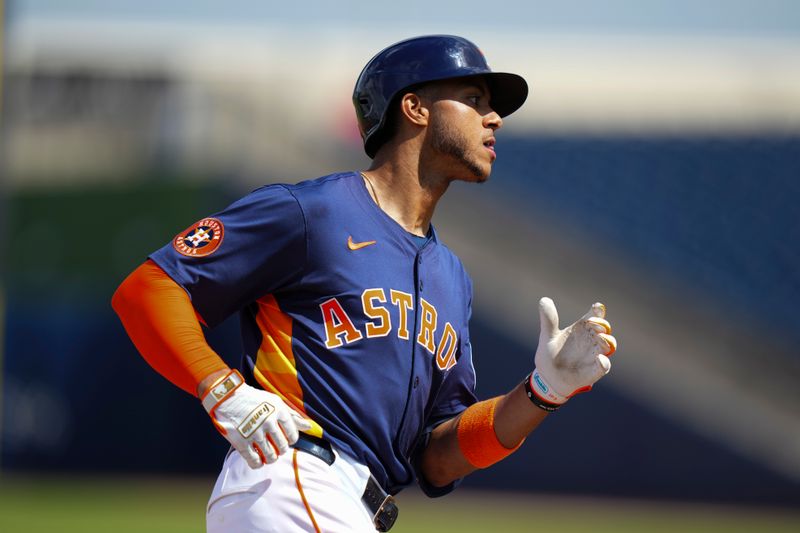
x=476, y=436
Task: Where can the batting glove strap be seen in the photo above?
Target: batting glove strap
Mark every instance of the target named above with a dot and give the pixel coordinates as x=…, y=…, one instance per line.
x=222, y=389
x=533, y=383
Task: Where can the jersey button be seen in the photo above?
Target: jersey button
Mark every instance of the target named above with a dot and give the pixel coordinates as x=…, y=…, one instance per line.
x=420, y=285
x=416, y=382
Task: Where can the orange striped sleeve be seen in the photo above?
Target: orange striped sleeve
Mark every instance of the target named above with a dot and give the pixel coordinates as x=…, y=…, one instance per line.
x=159, y=318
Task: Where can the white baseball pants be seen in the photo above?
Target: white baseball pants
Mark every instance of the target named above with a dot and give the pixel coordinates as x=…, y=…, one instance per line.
x=297, y=493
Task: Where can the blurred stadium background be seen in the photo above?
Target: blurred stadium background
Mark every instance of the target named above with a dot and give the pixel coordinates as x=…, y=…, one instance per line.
x=655, y=167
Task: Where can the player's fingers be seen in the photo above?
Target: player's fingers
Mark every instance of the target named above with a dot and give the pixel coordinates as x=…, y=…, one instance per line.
x=597, y=310
x=303, y=424
x=266, y=449
x=277, y=438
x=604, y=365
x=600, y=325
x=548, y=319
x=251, y=454
x=609, y=342
x=290, y=431
x=260, y=452
x=271, y=442
x=288, y=426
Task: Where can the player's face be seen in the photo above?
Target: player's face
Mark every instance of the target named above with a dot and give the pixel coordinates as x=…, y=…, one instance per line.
x=461, y=128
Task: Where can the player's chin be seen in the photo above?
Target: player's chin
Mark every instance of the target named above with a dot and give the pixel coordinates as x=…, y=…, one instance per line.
x=474, y=169
x=482, y=178
x=481, y=173
x=473, y=175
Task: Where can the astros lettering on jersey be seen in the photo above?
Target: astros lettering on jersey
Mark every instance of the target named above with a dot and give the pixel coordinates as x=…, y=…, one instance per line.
x=339, y=305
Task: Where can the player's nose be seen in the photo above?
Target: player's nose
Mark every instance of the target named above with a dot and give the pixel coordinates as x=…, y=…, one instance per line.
x=493, y=120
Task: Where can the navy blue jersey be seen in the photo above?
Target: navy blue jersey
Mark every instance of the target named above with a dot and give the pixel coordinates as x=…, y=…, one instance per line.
x=343, y=314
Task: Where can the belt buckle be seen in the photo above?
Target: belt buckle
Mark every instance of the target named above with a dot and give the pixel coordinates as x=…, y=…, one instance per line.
x=386, y=514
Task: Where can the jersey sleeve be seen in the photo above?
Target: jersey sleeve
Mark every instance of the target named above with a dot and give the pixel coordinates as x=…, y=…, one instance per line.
x=254, y=247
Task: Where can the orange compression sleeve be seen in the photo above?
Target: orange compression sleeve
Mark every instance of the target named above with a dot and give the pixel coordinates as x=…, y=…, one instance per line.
x=160, y=320
x=476, y=437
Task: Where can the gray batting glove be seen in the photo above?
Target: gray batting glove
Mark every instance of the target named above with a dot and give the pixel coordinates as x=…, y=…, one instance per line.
x=570, y=360
x=256, y=422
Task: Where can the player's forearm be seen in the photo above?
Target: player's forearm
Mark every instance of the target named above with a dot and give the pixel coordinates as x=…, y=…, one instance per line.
x=448, y=458
x=160, y=320
x=442, y=461
x=516, y=417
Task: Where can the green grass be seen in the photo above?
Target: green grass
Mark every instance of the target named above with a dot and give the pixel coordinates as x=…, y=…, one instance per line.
x=102, y=505
x=87, y=505
x=500, y=513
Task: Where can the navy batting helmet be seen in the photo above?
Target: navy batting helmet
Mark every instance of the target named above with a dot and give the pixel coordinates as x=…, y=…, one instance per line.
x=420, y=60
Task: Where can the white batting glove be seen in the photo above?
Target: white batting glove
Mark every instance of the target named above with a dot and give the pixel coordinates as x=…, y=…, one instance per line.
x=569, y=361
x=256, y=422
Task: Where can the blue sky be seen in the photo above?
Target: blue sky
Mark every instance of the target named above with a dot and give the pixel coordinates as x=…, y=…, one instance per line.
x=726, y=17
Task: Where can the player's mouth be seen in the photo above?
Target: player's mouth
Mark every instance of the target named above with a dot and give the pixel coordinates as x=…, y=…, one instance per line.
x=489, y=144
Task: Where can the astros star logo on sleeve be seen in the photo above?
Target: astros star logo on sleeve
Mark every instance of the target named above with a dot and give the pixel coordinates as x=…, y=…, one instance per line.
x=200, y=239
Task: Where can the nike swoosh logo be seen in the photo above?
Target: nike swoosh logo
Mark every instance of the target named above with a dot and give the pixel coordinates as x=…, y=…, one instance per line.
x=358, y=245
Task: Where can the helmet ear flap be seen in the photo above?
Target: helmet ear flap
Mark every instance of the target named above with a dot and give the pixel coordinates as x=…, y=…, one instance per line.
x=365, y=105
x=383, y=131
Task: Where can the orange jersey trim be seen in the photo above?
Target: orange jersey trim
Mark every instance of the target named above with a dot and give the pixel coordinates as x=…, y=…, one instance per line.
x=159, y=318
x=476, y=437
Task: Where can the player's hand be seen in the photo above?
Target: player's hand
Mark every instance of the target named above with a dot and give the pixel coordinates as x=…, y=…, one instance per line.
x=256, y=422
x=571, y=360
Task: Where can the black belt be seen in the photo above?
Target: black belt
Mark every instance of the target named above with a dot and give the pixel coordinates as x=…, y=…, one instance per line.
x=380, y=504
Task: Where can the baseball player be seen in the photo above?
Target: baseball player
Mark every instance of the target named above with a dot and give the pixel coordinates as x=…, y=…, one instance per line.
x=356, y=376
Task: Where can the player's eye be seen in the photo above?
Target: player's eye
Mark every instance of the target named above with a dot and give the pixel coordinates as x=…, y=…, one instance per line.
x=474, y=99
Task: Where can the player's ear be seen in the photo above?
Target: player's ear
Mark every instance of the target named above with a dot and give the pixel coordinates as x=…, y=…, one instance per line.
x=414, y=109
